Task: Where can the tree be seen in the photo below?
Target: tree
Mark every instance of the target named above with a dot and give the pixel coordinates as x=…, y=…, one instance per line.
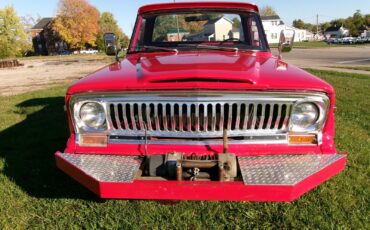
x=367, y=19
x=108, y=24
x=357, y=19
x=77, y=23
x=324, y=26
x=268, y=11
x=13, y=38
x=236, y=22
x=298, y=23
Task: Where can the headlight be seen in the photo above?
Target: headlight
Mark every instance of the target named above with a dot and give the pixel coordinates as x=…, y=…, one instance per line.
x=304, y=117
x=92, y=114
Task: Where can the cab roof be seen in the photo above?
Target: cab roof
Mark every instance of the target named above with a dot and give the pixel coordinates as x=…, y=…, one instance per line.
x=201, y=5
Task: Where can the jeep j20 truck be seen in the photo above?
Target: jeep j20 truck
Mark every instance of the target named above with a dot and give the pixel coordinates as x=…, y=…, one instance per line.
x=200, y=110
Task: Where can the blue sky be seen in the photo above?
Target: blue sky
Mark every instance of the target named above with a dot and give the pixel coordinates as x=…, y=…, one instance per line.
x=125, y=10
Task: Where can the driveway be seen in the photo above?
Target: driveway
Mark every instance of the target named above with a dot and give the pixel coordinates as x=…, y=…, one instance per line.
x=41, y=73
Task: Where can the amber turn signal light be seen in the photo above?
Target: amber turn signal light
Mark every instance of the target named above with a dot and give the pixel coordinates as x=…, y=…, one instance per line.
x=302, y=139
x=93, y=140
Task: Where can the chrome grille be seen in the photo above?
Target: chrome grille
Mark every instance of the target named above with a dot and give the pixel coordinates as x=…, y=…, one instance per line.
x=201, y=117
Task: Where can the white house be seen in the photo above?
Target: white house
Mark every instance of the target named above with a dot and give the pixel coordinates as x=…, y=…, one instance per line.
x=218, y=29
x=336, y=32
x=301, y=35
x=175, y=35
x=364, y=31
x=273, y=26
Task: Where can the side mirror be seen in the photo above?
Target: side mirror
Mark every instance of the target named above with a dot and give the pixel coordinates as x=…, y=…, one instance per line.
x=286, y=41
x=110, y=44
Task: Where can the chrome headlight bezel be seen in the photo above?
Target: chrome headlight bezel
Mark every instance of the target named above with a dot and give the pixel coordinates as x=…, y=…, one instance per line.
x=80, y=125
x=322, y=106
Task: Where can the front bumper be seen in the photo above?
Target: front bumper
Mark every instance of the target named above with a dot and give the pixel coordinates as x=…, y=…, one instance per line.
x=265, y=178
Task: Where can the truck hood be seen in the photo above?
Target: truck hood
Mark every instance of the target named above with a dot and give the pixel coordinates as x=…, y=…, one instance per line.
x=200, y=70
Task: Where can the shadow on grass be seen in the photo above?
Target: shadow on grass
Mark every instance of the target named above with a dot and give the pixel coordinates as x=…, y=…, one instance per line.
x=28, y=149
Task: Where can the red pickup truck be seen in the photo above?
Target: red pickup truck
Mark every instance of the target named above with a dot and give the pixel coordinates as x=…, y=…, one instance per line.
x=200, y=110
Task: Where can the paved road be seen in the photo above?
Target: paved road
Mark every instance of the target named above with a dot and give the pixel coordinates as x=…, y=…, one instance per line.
x=325, y=57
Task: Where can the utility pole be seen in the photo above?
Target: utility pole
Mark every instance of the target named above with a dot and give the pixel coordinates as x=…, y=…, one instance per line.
x=177, y=24
x=317, y=25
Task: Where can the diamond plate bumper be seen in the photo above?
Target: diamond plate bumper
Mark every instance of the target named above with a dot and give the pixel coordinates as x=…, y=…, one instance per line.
x=105, y=168
x=283, y=169
x=265, y=178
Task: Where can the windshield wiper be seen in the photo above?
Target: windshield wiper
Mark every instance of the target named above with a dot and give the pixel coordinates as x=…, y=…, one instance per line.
x=161, y=48
x=233, y=49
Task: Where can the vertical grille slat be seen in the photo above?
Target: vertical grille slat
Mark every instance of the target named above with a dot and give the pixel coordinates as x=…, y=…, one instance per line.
x=246, y=117
x=196, y=118
x=172, y=106
x=140, y=117
x=237, y=118
x=222, y=117
x=229, y=116
x=286, y=118
x=111, y=122
x=213, y=125
x=188, y=117
x=156, y=119
x=205, y=117
x=269, y=122
x=181, y=119
x=124, y=115
x=262, y=117
x=254, y=116
x=164, y=117
x=148, y=119
x=199, y=117
x=116, y=116
x=276, y=126
x=132, y=117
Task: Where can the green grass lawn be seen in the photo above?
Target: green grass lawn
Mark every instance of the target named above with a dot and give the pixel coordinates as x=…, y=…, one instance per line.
x=319, y=44
x=363, y=68
x=71, y=58
x=35, y=194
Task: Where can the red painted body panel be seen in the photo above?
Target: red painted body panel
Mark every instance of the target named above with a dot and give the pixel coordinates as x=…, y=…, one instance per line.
x=190, y=190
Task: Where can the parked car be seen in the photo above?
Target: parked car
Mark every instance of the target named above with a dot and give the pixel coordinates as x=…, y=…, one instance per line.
x=89, y=51
x=64, y=52
x=215, y=118
x=361, y=40
x=349, y=40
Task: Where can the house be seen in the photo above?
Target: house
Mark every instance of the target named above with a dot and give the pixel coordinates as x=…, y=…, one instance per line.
x=273, y=26
x=37, y=36
x=36, y=29
x=45, y=40
x=364, y=31
x=218, y=29
x=174, y=34
x=301, y=34
x=336, y=32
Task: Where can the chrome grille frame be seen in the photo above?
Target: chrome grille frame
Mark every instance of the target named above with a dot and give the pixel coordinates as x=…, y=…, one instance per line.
x=128, y=110
x=203, y=119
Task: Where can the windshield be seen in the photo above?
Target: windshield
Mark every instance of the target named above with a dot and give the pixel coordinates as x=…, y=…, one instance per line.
x=200, y=30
